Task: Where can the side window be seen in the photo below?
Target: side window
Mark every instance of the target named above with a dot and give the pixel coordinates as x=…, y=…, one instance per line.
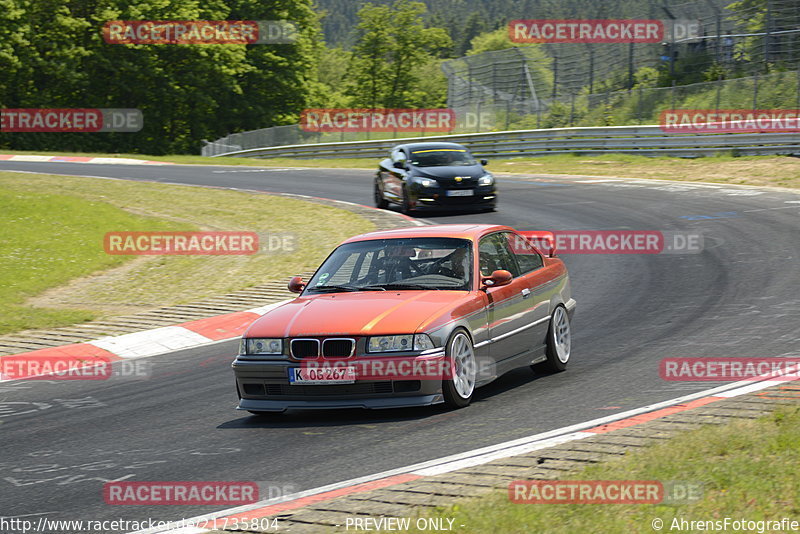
x=495, y=254
x=527, y=257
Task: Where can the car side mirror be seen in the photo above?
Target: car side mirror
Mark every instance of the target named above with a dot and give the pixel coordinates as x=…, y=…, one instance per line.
x=498, y=278
x=399, y=165
x=484, y=162
x=296, y=285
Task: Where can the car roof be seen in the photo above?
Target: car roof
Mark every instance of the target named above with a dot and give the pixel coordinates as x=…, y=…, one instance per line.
x=461, y=231
x=431, y=146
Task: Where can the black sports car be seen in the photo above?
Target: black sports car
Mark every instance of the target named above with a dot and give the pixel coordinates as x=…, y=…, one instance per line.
x=434, y=175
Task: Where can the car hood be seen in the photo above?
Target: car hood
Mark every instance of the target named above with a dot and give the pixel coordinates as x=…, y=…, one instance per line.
x=448, y=173
x=362, y=313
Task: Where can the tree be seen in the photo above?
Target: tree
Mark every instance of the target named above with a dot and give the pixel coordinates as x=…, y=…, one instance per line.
x=370, y=67
x=392, y=44
x=52, y=54
x=473, y=26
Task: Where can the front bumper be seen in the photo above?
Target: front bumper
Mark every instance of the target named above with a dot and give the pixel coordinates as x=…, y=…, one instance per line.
x=263, y=386
x=437, y=198
x=253, y=405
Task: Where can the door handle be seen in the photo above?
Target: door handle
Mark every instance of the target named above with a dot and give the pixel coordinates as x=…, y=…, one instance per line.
x=526, y=293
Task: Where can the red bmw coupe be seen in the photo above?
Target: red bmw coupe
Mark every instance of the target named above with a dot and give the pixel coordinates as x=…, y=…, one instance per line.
x=409, y=317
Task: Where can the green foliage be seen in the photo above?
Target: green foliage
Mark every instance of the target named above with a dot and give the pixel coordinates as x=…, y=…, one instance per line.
x=490, y=41
x=392, y=43
x=52, y=54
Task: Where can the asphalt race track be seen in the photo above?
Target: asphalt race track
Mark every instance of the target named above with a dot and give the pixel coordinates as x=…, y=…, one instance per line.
x=60, y=441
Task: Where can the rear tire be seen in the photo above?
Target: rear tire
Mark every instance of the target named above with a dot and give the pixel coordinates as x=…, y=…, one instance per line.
x=559, y=343
x=460, y=353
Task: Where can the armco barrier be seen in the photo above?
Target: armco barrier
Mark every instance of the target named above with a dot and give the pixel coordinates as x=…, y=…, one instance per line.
x=644, y=140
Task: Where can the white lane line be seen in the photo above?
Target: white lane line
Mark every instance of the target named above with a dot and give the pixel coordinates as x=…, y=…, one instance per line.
x=261, y=169
x=741, y=192
x=595, y=181
x=754, y=387
x=151, y=342
x=505, y=453
x=769, y=209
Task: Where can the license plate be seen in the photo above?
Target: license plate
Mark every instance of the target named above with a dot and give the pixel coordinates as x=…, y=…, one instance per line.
x=322, y=375
x=460, y=193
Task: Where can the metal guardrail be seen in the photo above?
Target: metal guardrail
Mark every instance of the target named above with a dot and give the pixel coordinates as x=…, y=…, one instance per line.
x=648, y=140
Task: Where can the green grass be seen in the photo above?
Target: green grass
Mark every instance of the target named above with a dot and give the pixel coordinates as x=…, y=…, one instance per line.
x=748, y=470
x=777, y=171
x=55, y=271
x=48, y=240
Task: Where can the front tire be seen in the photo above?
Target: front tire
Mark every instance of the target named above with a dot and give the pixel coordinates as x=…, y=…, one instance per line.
x=460, y=353
x=559, y=343
x=380, y=201
x=406, y=206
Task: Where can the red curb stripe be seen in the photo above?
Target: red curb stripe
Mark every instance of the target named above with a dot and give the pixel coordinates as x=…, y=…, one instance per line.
x=71, y=158
x=78, y=351
x=6, y=156
x=222, y=326
x=325, y=496
x=83, y=354
x=643, y=418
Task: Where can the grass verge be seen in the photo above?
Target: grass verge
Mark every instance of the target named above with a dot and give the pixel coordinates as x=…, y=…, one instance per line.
x=776, y=171
x=748, y=470
x=55, y=271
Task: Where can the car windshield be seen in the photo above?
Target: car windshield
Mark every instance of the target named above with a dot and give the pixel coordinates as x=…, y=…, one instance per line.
x=396, y=264
x=440, y=157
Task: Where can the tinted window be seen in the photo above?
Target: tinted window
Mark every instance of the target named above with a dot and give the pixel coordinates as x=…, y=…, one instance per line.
x=415, y=263
x=495, y=254
x=527, y=257
x=440, y=157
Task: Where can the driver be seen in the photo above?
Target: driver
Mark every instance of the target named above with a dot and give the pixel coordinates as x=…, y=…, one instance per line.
x=459, y=264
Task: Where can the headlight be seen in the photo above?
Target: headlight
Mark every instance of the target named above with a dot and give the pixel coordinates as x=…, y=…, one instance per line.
x=399, y=343
x=426, y=182
x=261, y=346
x=486, y=179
